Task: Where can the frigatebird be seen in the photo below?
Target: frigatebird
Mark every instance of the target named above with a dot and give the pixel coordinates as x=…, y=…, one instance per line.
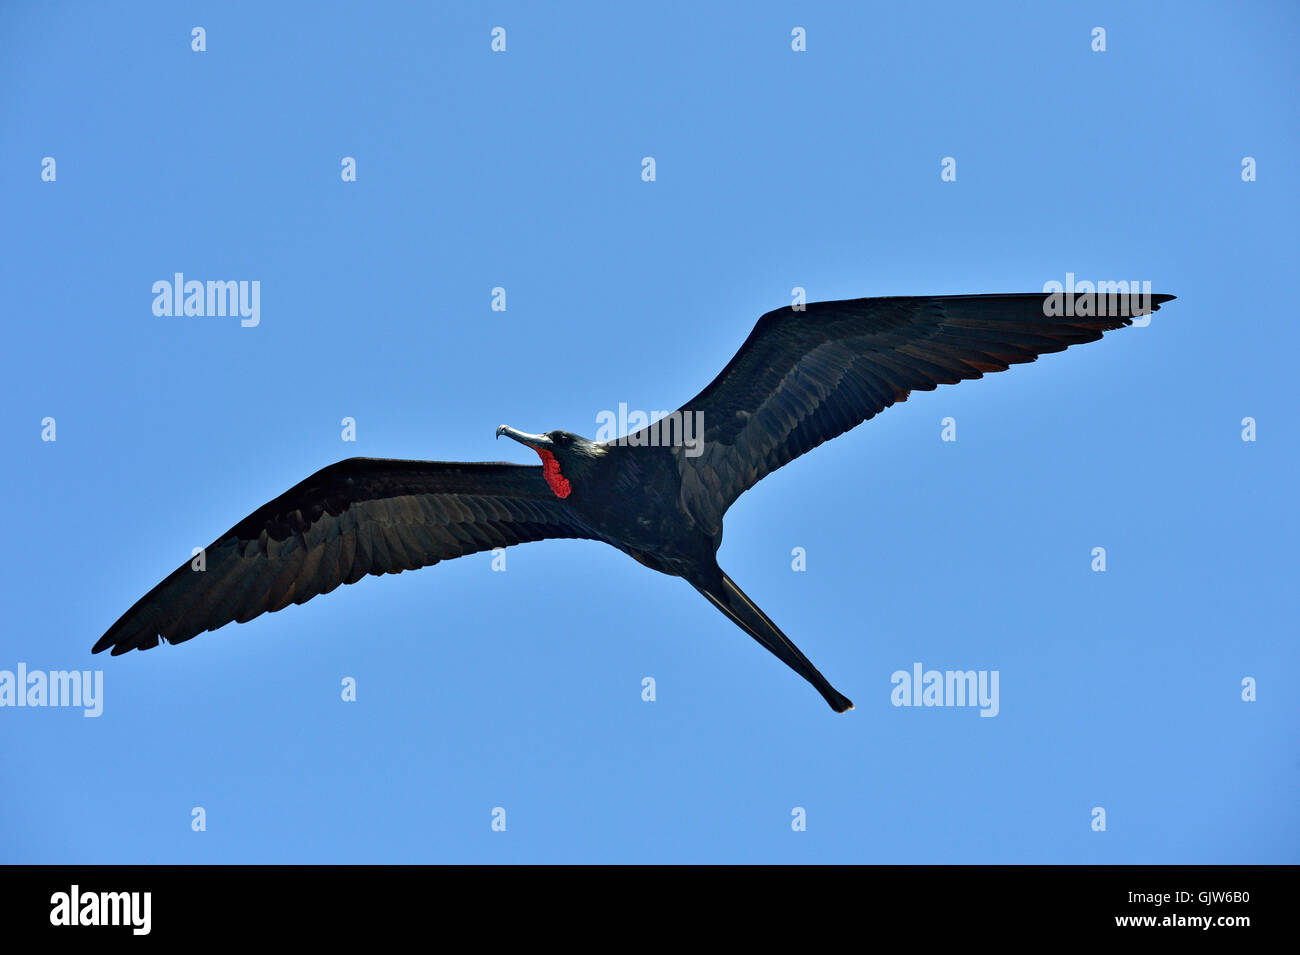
x=803, y=376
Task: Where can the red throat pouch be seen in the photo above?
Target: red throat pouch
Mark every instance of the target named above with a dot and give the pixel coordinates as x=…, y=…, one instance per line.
x=551, y=471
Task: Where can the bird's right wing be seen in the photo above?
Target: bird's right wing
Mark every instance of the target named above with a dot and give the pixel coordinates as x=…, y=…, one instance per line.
x=357, y=517
x=803, y=377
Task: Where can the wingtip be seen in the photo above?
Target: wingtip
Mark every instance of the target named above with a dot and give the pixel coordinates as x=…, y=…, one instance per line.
x=114, y=645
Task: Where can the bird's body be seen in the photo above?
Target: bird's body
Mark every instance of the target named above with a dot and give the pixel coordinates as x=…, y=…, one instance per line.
x=631, y=497
x=801, y=378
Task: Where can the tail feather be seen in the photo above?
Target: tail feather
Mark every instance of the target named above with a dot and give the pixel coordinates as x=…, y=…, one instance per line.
x=732, y=601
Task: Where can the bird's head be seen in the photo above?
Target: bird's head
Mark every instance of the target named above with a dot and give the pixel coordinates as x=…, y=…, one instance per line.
x=566, y=457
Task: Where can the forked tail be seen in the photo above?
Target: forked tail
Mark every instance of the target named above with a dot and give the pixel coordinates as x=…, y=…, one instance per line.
x=723, y=593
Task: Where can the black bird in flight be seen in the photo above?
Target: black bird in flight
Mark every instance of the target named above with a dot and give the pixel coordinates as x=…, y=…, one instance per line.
x=801, y=378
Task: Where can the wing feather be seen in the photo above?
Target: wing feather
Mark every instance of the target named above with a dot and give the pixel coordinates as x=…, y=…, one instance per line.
x=804, y=377
x=360, y=516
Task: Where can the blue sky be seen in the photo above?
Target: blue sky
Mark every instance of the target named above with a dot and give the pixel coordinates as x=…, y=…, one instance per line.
x=774, y=169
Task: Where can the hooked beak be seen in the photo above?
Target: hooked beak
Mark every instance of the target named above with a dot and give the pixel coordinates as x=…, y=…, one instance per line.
x=535, y=441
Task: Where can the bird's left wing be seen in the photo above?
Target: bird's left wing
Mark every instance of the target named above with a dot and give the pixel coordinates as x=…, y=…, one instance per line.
x=803, y=377
x=357, y=517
